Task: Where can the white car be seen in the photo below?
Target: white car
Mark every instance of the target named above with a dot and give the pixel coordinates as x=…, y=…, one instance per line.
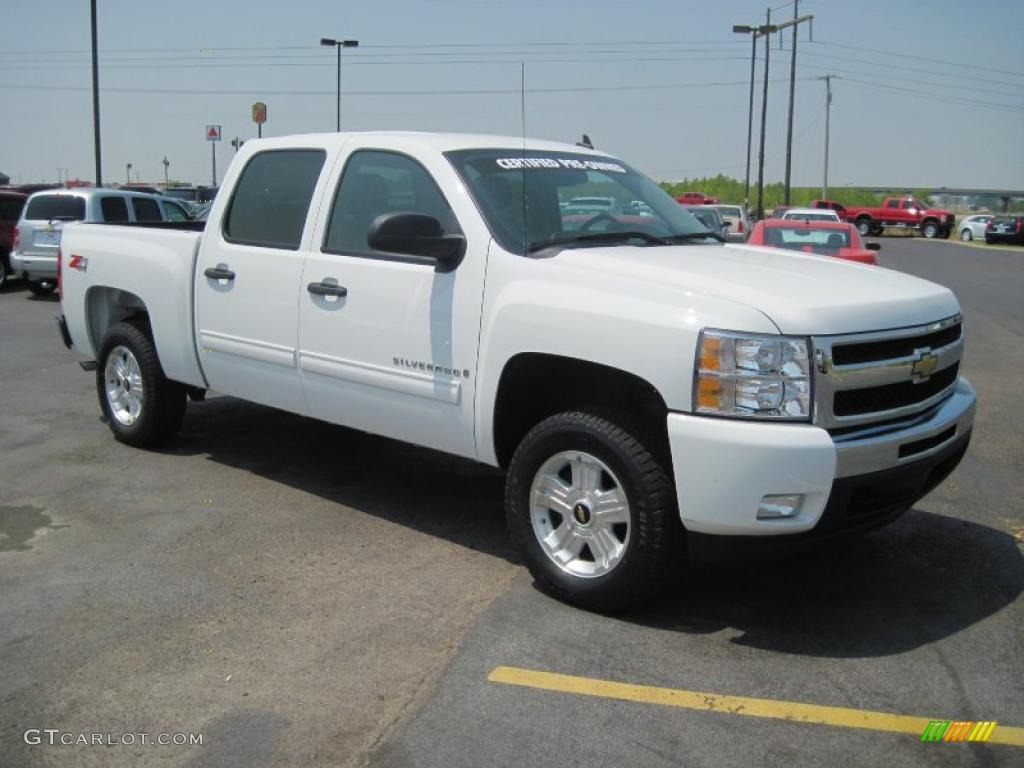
x=811, y=214
x=652, y=393
x=974, y=226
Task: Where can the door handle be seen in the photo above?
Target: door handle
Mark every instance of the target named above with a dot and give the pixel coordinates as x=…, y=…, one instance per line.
x=327, y=289
x=219, y=273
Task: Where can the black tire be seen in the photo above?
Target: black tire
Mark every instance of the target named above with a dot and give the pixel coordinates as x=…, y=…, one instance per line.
x=966, y=235
x=654, y=545
x=931, y=229
x=42, y=287
x=865, y=227
x=162, y=401
x=877, y=230
x=5, y=271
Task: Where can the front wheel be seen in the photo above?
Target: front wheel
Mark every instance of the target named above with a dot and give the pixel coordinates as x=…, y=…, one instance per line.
x=966, y=235
x=593, y=511
x=142, y=407
x=930, y=229
x=42, y=287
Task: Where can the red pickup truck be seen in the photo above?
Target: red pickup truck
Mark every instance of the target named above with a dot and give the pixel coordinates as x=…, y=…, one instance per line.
x=696, y=198
x=904, y=212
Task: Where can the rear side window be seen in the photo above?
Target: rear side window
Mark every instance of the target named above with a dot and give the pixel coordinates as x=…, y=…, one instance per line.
x=146, y=209
x=271, y=199
x=114, y=209
x=46, y=207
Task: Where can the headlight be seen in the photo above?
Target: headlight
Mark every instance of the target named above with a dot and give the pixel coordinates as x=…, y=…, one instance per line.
x=751, y=376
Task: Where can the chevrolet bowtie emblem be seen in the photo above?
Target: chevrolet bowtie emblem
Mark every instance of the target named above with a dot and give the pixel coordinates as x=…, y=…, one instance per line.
x=924, y=366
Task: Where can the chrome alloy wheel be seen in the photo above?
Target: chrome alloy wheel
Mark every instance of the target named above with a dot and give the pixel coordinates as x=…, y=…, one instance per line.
x=580, y=514
x=123, y=379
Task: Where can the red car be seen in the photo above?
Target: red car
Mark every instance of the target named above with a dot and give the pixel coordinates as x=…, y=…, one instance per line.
x=827, y=238
x=11, y=204
x=696, y=198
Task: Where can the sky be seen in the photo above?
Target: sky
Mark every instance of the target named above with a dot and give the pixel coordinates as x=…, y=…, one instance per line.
x=926, y=94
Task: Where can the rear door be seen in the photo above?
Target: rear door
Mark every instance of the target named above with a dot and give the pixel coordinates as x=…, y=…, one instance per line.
x=247, y=279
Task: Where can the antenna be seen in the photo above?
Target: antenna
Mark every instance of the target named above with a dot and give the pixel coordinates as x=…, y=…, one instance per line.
x=522, y=114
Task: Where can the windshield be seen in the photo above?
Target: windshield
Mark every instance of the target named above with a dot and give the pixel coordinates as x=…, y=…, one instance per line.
x=48, y=207
x=569, y=199
x=801, y=237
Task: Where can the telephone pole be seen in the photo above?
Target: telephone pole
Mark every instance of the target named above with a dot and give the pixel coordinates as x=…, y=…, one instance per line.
x=764, y=119
x=828, y=116
x=795, y=23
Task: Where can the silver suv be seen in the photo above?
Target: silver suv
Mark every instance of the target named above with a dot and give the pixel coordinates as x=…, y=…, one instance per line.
x=37, y=235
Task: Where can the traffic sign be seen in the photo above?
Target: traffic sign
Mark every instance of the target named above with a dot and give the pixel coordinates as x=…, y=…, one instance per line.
x=213, y=133
x=259, y=113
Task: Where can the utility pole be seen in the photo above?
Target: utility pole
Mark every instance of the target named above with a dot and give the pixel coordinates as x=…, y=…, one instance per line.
x=764, y=118
x=128, y=173
x=167, y=164
x=96, y=100
x=828, y=116
x=795, y=23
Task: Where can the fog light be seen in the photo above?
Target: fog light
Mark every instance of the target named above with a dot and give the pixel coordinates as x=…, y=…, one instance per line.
x=775, y=506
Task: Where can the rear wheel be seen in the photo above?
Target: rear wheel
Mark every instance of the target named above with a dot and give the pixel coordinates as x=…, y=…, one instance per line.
x=42, y=287
x=4, y=270
x=865, y=227
x=593, y=511
x=966, y=235
x=142, y=407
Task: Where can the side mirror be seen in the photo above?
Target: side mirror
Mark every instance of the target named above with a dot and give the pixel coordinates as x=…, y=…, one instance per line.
x=873, y=246
x=416, y=234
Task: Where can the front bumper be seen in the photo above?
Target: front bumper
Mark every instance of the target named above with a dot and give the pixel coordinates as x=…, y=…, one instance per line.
x=723, y=468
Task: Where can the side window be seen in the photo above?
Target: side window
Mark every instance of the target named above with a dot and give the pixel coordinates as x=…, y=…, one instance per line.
x=174, y=212
x=374, y=183
x=146, y=209
x=114, y=209
x=271, y=198
x=893, y=204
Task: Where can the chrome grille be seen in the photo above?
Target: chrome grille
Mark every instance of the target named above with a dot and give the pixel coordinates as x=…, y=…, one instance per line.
x=866, y=378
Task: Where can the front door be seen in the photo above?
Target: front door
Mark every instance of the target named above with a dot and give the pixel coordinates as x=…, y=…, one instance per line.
x=247, y=280
x=388, y=343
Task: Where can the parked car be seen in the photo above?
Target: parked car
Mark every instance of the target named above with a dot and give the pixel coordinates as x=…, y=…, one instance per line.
x=710, y=217
x=810, y=214
x=594, y=367
x=830, y=205
x=826, y=238
x=1005, y=229
x=739, y=223
x=11, y=204
x=37, y=236
x=973, y=227
x=696, y=198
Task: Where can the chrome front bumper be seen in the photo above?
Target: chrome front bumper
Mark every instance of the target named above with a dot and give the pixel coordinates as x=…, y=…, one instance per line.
x=884, y=446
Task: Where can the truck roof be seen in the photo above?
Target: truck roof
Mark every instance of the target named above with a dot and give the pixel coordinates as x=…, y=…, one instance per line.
x=441, y=142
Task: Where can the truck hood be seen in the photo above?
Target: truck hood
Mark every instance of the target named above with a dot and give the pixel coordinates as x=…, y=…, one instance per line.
x=802, y=294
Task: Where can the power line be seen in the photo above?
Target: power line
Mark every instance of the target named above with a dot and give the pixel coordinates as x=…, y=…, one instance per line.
x=932, y=97
x=920, y=58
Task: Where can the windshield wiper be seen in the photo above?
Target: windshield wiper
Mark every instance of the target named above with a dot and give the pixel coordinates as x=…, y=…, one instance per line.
x=685, y=236
x=598, y=237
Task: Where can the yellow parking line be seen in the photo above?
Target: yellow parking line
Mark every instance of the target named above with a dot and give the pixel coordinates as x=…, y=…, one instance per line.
x=793, y=711
x=980, y=245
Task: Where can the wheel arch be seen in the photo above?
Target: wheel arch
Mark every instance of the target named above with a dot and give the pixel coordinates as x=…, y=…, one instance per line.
x=535, y=385
x=105, y=306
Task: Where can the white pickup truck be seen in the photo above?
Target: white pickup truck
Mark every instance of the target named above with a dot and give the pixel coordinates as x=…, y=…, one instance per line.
x=653, y=393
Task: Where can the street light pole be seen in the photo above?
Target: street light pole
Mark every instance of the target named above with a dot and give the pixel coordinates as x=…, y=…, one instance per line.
x=338, y=44
x=764, y=118
x=128, y=172
x=754, y=32
x=96, y=100
x=167, y=164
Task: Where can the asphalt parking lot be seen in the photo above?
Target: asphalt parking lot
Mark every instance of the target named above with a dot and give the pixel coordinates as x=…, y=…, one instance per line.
x=303, y=594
